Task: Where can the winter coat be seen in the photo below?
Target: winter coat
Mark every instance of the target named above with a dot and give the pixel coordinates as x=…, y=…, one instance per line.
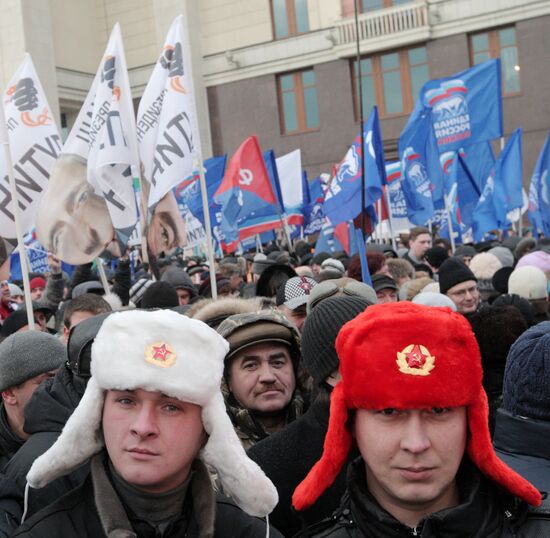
x=9, y=442
x=45, y=415
x=524, y=444
x=94, y=510
x=484, y=512
x=287, y=456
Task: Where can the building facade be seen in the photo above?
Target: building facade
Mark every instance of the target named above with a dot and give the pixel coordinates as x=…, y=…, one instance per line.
x=287, y=70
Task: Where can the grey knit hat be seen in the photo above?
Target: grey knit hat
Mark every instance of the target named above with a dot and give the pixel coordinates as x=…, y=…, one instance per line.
x=28, y=354
x=320, y=331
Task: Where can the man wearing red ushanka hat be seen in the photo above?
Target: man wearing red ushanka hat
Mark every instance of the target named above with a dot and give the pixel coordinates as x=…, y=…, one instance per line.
x=411, y=398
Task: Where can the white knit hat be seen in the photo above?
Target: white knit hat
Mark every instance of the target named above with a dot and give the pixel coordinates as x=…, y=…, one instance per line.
x=180, y=357
x=528, y=282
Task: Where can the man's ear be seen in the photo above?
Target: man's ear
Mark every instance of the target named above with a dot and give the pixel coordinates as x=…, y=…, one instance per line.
x=9, y=397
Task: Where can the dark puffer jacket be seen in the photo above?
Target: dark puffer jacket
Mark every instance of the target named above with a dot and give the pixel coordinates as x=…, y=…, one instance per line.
x=45, y=415
x=93, y=510
x=9, y=442
x=484, y=512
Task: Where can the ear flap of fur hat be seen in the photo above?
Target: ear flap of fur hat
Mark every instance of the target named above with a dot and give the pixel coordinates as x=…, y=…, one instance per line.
x=338, y=442
x=80, y=439
x=481, y=452
x=241, y=478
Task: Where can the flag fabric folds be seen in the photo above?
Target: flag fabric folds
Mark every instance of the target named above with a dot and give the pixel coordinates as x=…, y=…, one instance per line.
x=289, y=170
x=539, y=193
x=166, y=119
x=343, y=197
x=246, y=192
x=34, y=145
x=466, y=107
x=104, y=135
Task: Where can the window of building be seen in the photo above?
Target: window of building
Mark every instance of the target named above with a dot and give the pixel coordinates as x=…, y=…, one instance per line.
x=495, y=43
x=289, y=17
x=298, y=106
x=391, y=80
x=372, y=5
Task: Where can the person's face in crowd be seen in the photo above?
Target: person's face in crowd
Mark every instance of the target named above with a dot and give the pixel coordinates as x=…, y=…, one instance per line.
x=467, y=260
x=412, y=457
x=297, y=316
x=315, y=269
x=16, y=398
x=184, y=296
x=465, y=296
x=235, y=281
x=261, y=377
x=151, y=439
x=5, y=292
x=76, y=317
x=167, y=229
x=420, y=245
x=386, y=295
x=36, y=293
x=41, y=320
x=17, y=299
x=73, y=222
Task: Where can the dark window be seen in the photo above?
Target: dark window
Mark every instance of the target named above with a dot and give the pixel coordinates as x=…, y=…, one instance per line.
x=495, y=43
x=290, y=17
x=391, y=80
x=299, y=110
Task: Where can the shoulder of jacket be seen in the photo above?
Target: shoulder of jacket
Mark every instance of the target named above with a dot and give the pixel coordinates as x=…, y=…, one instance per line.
x=340, y=524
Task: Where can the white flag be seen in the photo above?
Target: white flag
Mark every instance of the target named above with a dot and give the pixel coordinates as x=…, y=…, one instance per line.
x=289, y=170
x=166, y=122
x=34, y=144
x=102, y=142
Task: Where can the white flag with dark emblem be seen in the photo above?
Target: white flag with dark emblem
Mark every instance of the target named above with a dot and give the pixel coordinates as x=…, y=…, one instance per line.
x=34, y=144
x=102, y=142
x=166, y=122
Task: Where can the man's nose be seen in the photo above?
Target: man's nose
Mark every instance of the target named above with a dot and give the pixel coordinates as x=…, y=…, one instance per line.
x=266, y=374
x=414, y=437
x=145, y=423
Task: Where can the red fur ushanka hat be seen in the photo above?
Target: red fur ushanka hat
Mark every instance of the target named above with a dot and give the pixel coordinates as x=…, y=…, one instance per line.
x=409, y=356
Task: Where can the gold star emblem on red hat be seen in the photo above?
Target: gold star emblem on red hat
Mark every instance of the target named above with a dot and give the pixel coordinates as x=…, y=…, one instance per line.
x=415, y=359
x=160, y=354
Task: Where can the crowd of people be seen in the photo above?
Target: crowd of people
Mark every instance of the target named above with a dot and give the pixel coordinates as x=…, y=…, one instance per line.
x=302, y=401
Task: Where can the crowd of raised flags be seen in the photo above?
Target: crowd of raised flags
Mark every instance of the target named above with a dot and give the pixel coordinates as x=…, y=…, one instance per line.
x=446, y=176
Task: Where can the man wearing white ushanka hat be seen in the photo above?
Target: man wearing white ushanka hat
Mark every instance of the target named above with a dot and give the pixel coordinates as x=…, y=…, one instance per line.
x=154, y=404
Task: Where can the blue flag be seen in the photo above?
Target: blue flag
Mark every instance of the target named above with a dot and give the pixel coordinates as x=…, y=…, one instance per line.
x=188, y=192
x=466, y=107
x=271, y=167
x=313, y=211
x=479, y=160
x=422, y=176
x=343, y=197
x=502, y=191
x=539, y=199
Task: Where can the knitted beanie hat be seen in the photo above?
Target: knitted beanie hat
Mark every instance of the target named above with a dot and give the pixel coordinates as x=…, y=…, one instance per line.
x=341, y=286
x=484, y=265
x=408, y=356
x=436, y=256
x=320, y=331
x=180, y=280
x=504, y=255
x=528, y=282
x=527, y=374
x=500, y=279
x=539, y=259
x=160, y=295
x=137, y=291
x=452, y=272
x=432, y=298
x=181, y=357
x=28, y=354
x=37, y=282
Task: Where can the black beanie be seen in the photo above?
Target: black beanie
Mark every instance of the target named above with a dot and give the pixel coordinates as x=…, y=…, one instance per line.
x=320, y=331
x=160, y=295
x=436, y=256
x=500, y=279
x=453, y=272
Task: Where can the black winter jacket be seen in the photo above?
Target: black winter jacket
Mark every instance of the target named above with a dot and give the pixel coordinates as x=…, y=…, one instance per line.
x=45, y=415
x=93, y=510
x=286, y=458
x=484, y=512
x=524, y=444
x=9, y=442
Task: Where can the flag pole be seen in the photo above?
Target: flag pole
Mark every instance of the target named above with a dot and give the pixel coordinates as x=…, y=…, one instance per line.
x=4, y=140
x=390, y=220
x=449, y=223
x=102, y=275
x=361, y=117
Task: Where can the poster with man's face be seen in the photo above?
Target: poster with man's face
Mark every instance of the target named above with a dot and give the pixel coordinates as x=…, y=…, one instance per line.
x=74, y=224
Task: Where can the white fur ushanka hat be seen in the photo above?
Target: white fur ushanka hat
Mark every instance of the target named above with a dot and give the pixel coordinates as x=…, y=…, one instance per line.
x=180, y=357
